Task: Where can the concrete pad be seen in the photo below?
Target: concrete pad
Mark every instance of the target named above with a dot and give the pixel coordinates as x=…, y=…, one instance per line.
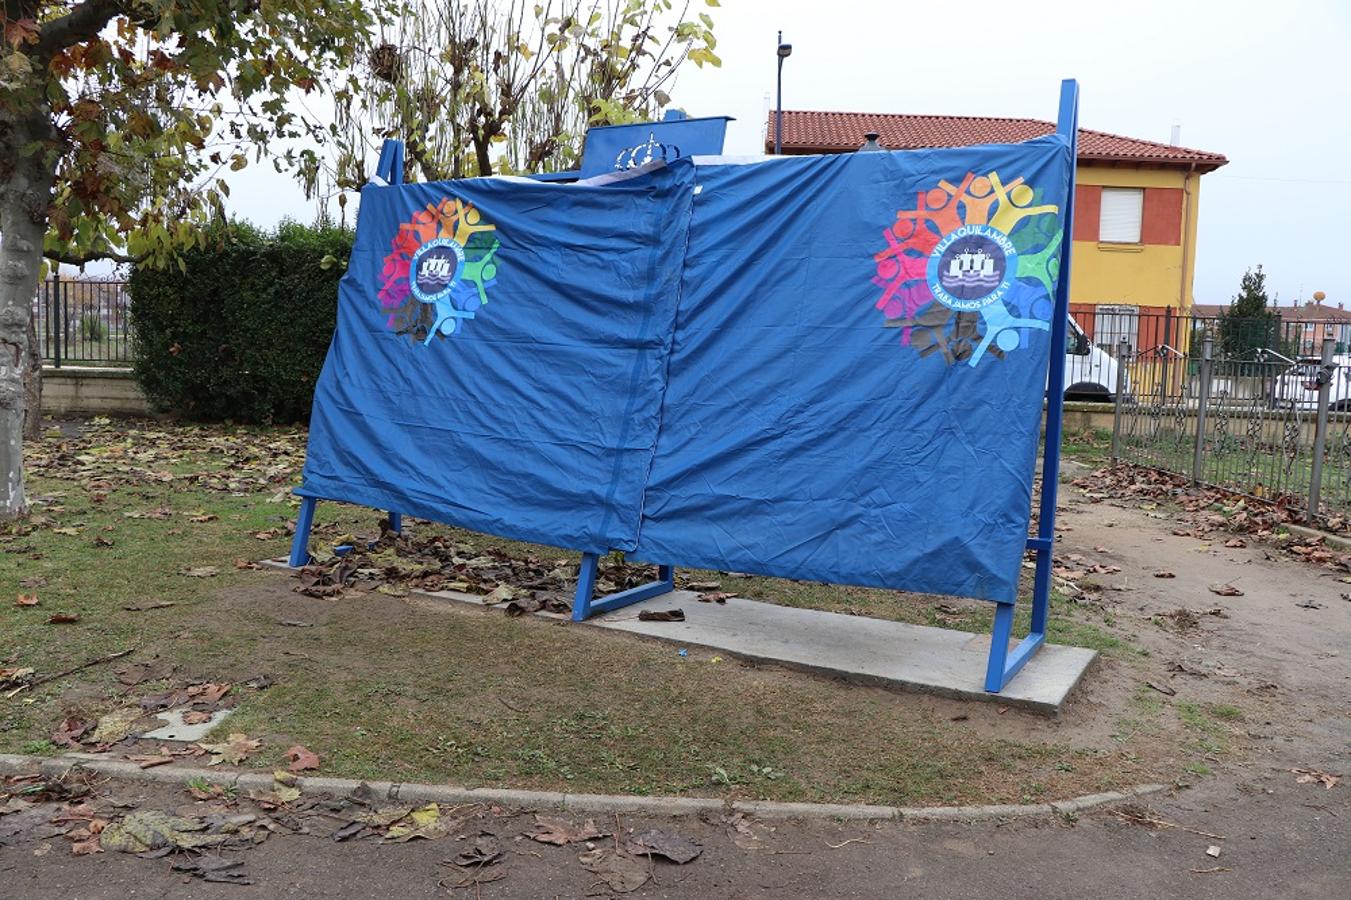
x=175, y=730
x=858, y=648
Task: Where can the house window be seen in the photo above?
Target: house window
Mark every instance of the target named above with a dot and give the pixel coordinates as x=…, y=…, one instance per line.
x=1112, y=323
x=1120, y=215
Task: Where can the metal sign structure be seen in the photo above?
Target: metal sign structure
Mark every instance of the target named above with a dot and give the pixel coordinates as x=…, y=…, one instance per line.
x=424, y=287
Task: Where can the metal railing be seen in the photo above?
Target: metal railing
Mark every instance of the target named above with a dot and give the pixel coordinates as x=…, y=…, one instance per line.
x=83, y=321
x=1243, y=406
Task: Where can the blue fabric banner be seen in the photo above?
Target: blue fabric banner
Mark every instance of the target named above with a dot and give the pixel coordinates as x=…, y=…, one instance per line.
x=500, y=355
x=827, y=368
x=860, y=355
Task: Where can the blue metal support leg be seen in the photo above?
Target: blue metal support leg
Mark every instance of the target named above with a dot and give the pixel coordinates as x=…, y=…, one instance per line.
x=1004, y=664
x=396, y=522
x=300, y=544
x=583, y=607
x=586, y=585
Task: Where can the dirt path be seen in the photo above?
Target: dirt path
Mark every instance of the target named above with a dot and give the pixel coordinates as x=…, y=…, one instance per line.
x=1280, y=838
x=1280, y=653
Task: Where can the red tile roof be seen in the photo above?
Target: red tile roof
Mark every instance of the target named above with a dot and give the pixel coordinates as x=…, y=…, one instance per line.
x=1306, y=312
x=805, y=131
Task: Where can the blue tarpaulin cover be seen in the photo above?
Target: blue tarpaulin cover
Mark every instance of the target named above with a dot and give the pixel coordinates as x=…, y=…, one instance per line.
x=500, y=355
x=855, y=390
x=828, y=368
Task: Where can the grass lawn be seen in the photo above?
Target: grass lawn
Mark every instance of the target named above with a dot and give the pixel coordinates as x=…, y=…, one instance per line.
x=130, y=514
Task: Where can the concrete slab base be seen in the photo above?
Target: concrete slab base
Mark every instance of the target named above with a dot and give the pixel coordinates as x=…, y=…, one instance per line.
x=858, y=648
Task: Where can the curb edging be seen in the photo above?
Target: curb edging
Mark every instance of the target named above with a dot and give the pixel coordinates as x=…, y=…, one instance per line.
x=16, y=764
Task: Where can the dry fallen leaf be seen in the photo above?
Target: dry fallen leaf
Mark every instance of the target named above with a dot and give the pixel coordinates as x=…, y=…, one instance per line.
x=72, y=728
x=232, y=750
x=1164, y=573
x=115, y=725
x=208, y=692
x=560, y=832
x=202, y=572
x=64, y=619
x=1313, y=776
x=1225, y=590
x=93, y=845
x=302, y=759
x=27, y=600
x=623, y=872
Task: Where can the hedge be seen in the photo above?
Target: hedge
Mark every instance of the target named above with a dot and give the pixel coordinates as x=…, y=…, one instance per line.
x=238, y=332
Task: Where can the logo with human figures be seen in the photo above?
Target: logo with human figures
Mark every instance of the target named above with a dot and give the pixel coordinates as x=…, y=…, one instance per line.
x=970, y=271
x=439, y=270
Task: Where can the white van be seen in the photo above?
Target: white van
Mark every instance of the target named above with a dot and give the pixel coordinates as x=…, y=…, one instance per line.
x=1090, y=372
x=1297, y=386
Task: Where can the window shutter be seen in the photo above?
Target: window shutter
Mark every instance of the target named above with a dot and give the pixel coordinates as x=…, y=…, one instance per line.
x=1121, y=214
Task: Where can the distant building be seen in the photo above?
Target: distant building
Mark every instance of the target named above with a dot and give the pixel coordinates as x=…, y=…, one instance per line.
x=1135, y=208
x=1307, y=325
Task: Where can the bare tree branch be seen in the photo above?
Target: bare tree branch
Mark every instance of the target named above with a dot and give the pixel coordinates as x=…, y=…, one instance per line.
x=80, y=24
x=72, y=259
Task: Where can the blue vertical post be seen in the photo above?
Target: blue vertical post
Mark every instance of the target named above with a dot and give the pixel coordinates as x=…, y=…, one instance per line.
x=586, y=584
x=396, y=522
x=300, y=544
x=1067, y=126
x=390, y=165
x=1002, y=665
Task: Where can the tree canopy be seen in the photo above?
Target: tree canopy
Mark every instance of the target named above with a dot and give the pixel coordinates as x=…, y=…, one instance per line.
x=119, y=120
x=477, y=87
x=139, y=109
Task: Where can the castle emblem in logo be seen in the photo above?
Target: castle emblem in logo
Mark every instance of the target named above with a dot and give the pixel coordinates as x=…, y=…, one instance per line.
x=436, y=266
x=970, y=271
x=972, y=267
x=438, y=272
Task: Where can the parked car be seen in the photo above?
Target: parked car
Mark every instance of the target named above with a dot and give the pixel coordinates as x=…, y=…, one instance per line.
x=1090, y=372
x=1297, y=386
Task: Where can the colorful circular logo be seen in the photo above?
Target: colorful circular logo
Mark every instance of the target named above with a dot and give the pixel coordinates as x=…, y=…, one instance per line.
x=441, y=264
x=969, y=271
x=972, y=267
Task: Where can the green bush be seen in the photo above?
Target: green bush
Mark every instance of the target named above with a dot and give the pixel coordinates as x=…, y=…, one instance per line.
x=239, y=331
x=92, y=328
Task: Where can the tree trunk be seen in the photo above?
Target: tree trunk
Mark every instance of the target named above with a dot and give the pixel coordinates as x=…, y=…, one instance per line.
x=32, y=386
x=25, y=195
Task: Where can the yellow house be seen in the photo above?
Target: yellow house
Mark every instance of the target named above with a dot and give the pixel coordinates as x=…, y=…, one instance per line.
x=1134, y=218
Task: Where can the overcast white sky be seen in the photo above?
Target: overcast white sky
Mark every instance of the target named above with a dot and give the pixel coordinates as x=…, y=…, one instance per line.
x=1264, y=83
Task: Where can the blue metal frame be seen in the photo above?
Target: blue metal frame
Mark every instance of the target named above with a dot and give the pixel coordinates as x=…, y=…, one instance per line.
x=300, y=544
x=583, y=607
x=1005, y=663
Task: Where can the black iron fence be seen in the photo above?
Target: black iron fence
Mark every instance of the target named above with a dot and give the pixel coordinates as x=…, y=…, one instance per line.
x=83, y=321
x=1258, y=406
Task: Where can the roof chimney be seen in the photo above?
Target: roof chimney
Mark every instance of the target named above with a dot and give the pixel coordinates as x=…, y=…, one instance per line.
x=1176, y=138
x=870, y=142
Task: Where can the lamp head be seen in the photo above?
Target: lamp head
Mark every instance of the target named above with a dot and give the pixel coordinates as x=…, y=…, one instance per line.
x=785, y=51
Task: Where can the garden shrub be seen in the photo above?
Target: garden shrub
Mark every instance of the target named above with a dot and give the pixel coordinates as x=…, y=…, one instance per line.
x=92, y=329
x=239, y=331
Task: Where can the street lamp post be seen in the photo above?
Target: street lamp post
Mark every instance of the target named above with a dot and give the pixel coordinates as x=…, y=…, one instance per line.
x=785, y=50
